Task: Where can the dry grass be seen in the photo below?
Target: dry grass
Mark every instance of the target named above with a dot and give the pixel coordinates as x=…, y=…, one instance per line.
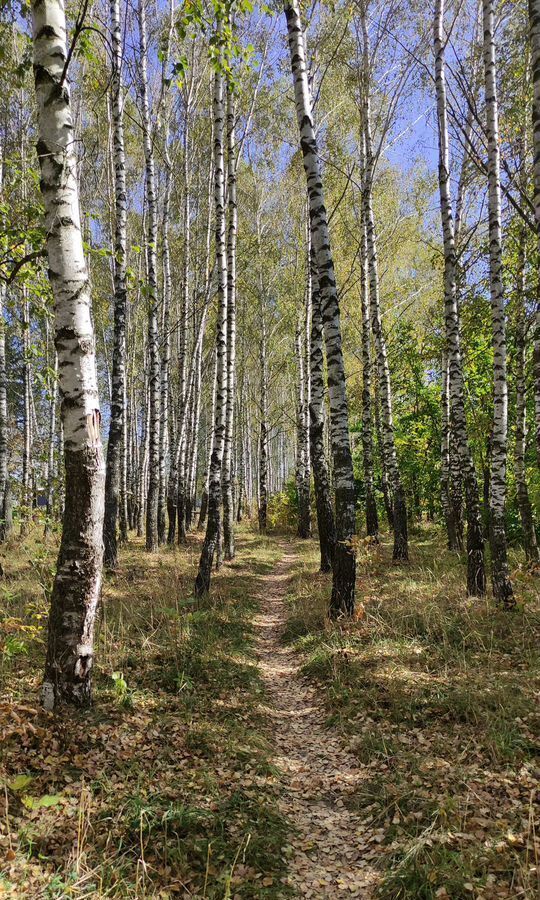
x=438, y=697
x=165, y=787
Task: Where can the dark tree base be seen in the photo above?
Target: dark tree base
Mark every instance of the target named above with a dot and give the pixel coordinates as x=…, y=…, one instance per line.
x=171, y=513
x=476, y=571
x=372, y=519
x=161, y=525
x=75, y=594
x=344, y=582
x=502, y=586
x=401, y=537
x=203, y=511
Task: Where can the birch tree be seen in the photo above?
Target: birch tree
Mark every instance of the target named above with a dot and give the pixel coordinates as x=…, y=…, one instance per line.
x=502, y=587
x=116, y=427
x=323, y=498
x=202, y=582
x=76, y=588
x=530, y=543
x=344, y=565
x=4, y=482
x=534, y=35
x=153, y=330
x=475, y=541
x=232, y=227
x=399, y=513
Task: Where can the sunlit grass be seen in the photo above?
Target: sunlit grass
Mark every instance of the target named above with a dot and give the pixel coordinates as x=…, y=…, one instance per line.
x=167, y=783
x=437, y=695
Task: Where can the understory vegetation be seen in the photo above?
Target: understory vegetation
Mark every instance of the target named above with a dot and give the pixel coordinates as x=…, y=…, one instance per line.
x=166, y=787
x=437, y=695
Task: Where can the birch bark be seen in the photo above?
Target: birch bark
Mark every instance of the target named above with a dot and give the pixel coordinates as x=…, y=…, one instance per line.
x=344, y=567
x=534, y=34
x=227, y=480
x=475, y=542
x=202, y=582
x=76, y=589
x=153, y=330
x=323, y=495
x=116, y=428
x=502, y=586
x=399, y=512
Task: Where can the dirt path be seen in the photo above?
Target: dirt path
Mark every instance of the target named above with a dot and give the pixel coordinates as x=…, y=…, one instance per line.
x=319, y=775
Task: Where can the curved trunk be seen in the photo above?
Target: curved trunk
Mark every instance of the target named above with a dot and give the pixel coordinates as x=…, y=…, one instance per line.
x=26, y=499
x=116, y=427
x=344, y=567
x=76, y=588
x=476, y=579
x=502, y=587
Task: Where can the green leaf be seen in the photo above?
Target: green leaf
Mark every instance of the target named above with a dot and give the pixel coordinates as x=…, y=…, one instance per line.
x=42, y=802
x=20, y=782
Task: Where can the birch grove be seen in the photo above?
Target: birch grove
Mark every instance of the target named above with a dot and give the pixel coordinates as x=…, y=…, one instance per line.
x=220, y=222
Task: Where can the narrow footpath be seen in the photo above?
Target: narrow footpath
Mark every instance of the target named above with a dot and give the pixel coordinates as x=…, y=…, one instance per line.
x=320, y=776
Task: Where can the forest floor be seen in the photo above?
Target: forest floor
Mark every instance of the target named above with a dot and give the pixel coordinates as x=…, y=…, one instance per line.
x=244, y=747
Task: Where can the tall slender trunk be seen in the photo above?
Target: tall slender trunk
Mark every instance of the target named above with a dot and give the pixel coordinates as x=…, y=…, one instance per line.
x=372, y=519
x=153, y=331
x=202, y=582
x=194, y=442
x=303, y=463
x=302, y=433
x=385, y=482
x=344, y=565
x=166, y=354
x=26, y=498
x=227, y=479
x=502, y=586
x=176, y=488
x=4, y=478
x=210, y=439
x=530, y=543
x=323, y=497
x=401, y=548
x=447, y=503
x=76, y=589
x=534, y=33
x=476, y=578
x=263, y=431
x=114, y=446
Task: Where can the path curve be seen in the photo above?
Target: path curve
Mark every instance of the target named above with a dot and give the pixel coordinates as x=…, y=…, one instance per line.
x=319, y=775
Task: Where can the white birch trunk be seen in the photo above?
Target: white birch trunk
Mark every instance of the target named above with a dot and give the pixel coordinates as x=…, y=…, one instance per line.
x=401, y=546
x=344, y=567
x=210, y=546
x=76, y=589
x=502, y=587
x=534, y=33
x=227, y=479
x=118, y=412
x=475, y=543
x=153, y=331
